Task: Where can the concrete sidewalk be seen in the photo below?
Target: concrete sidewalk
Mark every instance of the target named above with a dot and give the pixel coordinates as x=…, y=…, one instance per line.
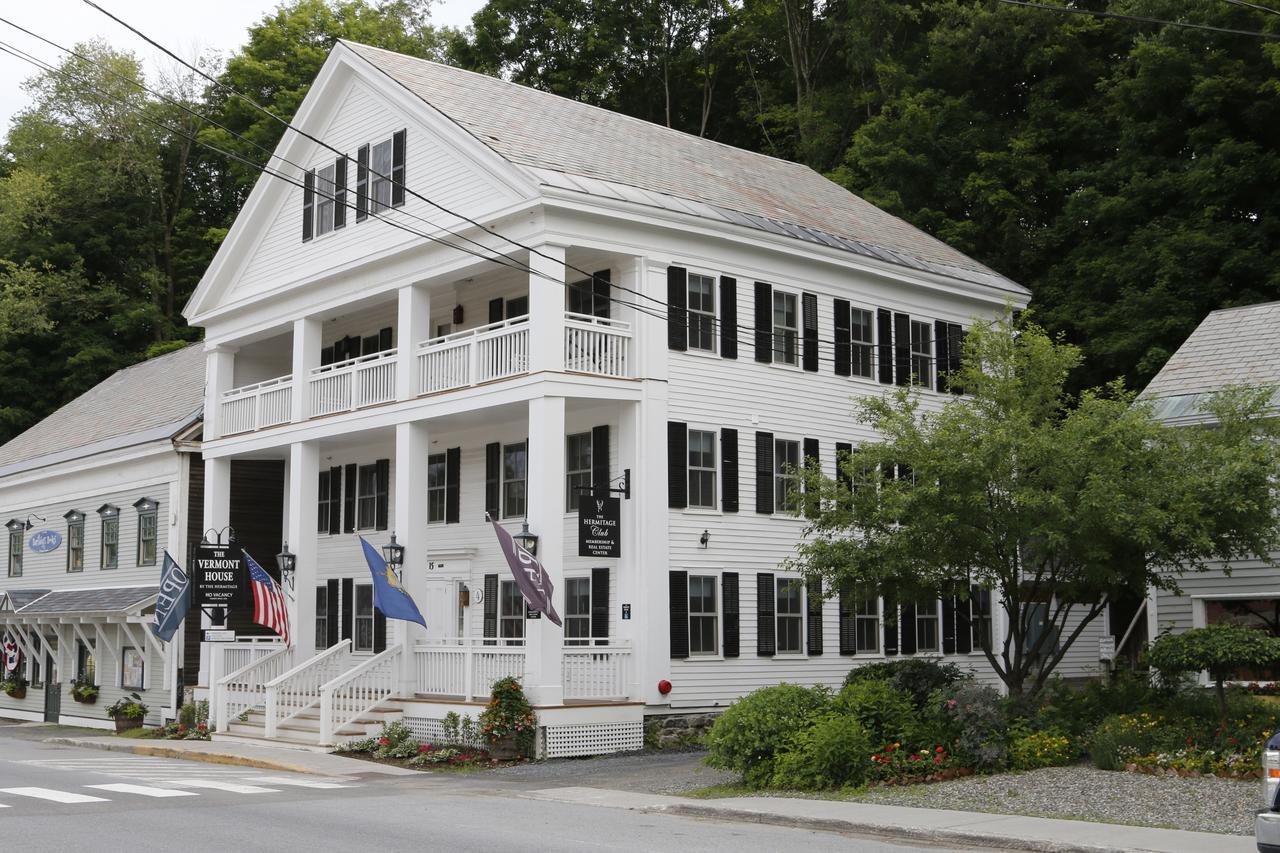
x=1046, y=835
x=242, y=755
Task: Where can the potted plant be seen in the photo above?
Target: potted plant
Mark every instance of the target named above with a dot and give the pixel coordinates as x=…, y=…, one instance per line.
x=84, y=690
x=128, y=712
x=15, y=686
x=508, y=721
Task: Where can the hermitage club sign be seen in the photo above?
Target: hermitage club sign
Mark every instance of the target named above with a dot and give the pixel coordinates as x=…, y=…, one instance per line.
x=598, y=523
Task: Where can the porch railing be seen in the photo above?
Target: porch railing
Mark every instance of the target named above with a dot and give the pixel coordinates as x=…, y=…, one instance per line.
x=353, y=693
x=464, y=668
x=477, y=355
x=597, y=345
x=256, y=406
x=598, y=672
x=245, y=688
x=353, y=384
x=297, y=690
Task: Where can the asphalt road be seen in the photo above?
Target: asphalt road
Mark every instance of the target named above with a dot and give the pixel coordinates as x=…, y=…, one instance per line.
x=61, y=799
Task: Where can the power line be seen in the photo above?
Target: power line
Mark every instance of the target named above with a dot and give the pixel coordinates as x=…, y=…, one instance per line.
x=1256, y=6
x=1072, y=10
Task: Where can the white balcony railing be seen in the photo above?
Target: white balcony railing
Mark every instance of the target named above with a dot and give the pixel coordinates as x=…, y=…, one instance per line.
x=597, y=672
x=256, y=406
x=597, y=345
x=353, y=384
x=298, y=690
x=465, y=668
x=474, y=356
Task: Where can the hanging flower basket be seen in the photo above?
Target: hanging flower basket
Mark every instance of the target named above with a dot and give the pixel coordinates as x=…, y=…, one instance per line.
x=17, y=692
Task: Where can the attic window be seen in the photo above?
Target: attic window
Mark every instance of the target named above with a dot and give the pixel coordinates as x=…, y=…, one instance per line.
x=380, y=192
x=324, y=200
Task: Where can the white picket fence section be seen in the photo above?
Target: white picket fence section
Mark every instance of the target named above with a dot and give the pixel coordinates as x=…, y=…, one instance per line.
x=597, y=345
x=464, y=668
x=257, y=406
x=353, y=384
x=476, y=355
x=244, y=687
x=358, y=691
x=297, y=690
x=597, y=672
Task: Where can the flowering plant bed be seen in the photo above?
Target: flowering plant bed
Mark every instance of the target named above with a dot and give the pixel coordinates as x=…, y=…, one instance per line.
x=397, y=746
x=898, y=765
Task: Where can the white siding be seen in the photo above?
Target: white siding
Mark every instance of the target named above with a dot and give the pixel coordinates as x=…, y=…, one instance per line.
x=1248, y=578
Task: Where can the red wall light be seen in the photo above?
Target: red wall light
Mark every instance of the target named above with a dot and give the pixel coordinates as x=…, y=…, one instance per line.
x=664, y=687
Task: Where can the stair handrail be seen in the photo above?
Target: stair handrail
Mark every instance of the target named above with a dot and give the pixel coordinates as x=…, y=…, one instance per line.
x=330, y=720
x=222, y=705
x=273, y=686
x=341, y=646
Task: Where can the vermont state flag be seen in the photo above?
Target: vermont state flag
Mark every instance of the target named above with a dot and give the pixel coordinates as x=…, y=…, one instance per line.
x=388, y=596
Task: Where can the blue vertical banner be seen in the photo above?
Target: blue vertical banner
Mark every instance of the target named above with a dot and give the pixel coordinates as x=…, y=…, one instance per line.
x=174, y=600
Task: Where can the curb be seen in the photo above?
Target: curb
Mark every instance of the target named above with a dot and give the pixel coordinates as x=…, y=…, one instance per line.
x=185, y=754
x=890, y=831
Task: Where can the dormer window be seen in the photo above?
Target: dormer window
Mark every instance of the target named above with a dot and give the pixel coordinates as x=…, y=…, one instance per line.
x=16, y=530
x=147, y=531
x=75, y=541
x=110, y=519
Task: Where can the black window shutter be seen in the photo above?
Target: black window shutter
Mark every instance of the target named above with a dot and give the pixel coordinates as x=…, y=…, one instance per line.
x=890, y=625
x=369, y=345
x=677, y=308
x=492, y=478
x=379, y=631
x=339, y=350
x=844, y=452
x=601, y=304
x=902, y=348
x=599, y=604
x=964, y=627
x=764, y=322
x=348, y=608
x=362, y=183
x=326, y=356
x=678, y=586
x=765, y=627
x=884, y=344
x=382, y=490
x=728, y=317
x=495, y=310
x=340, y=193
x=308, y=202
x=848, y=623
x=908, y=619
x=955, y=355
x=948, y=624
x=335, y=502
x=811, y=461
x=813, y=639
x=331, y=615
x=452, y=485
x=729, y=470
x=843, y=338
x=490, y=627
x=397, y=168
x=384, y=339
x=677, y=465
x=764, y=472
x=599, y=459
x=729, y=598
x=809, y=330
x=941, y=352
x=349, y=500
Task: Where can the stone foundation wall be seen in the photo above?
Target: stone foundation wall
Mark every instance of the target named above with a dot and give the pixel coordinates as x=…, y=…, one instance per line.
x=664, y=731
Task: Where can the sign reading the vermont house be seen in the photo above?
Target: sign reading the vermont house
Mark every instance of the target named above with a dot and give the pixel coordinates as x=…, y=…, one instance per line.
x=219, y=575
x=598, y=524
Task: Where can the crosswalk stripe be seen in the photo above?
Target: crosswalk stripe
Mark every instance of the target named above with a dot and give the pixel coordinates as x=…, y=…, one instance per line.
x=299, y=783
x=55, y=796
x=142, y=790
x=215, y=785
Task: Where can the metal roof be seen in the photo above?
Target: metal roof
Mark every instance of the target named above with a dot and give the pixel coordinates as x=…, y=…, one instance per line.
x=16, y=599
x=119, y=599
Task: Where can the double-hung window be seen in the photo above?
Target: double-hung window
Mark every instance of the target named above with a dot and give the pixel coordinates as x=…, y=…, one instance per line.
x=369, y=488
x=515, y=458
x=147, y=531
x=75, y=541
x=324, y=200
x=786, y=328
x=922, y=353
x=15, y=548
x=790, y=615
x=84, y=663
x=325, y=505
x=980, y=617
x=861, y=331
x=866, y=614
x=702, y=312
x=577, y=462
x=322, y=617
x=786, y=475
x=437, y=487
x=577, y=617
x=927, y=625
x=380, y=177
x=703, y=629
x=510, y=614
x=702, y=469
x=363, y=640
x=110, y=550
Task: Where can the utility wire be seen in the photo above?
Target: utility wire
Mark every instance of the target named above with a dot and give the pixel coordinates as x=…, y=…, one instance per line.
x=1256, y=6
x=1072, y=10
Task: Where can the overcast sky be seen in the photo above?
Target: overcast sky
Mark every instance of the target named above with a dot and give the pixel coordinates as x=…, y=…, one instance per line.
x=184, y=26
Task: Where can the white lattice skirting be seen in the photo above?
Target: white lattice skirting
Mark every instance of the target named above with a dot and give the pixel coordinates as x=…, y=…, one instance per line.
x=432, y=731
x=591, y=739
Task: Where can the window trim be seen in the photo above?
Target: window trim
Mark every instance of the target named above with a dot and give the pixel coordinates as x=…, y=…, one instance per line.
x=977, y=621
x=148, y=509
x=108, y=515
x=503, y=481
x=777, y=355
x=584, y=640
x=372, y=496
x=17, y=531
x=780, y=506
x=924, y=355
x=322, y=615
x=856, y=344
x=441, y=459
x=514, y=618
x=716, y=616
x=713, y=315
x=357, y=618
x=381, y=177
x=877, y=621
x=323, y=198
x=571, y=492
x=800, y=616
x=923, y=619
x=691, y=469
x=324, y=507
x=75, y=525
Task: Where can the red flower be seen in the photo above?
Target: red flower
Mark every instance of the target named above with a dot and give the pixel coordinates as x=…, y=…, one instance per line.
x=939, y=749
x=937, y=759
x=384, y=742
x=915, y=757
x=423, y=748
x=1189, y=740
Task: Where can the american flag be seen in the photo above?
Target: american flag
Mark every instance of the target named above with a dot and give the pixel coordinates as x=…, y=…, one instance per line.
x=269, y=608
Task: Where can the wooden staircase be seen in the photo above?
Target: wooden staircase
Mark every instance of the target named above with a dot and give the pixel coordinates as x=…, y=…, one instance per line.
x=303, y=731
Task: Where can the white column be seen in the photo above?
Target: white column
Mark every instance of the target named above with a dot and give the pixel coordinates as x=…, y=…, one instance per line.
x=219, y=377
x=300, y=534
x=652, y=521
x=217, y=515
x=412, y=446
x=546, y=309
x=546, y=487
x=649, y=333
x=413, y=326
x=306, y=356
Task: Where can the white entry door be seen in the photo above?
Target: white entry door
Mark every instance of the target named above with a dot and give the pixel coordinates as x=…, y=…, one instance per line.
x=439, y=609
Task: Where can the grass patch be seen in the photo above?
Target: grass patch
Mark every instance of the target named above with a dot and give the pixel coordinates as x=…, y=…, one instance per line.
x=143, y=733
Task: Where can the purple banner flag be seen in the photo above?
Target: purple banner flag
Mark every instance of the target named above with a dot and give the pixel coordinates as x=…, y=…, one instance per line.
x=530, y=575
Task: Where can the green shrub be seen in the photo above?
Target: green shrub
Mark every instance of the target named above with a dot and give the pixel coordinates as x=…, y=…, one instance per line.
x=1219, y=649
x=1123, y=736
x=977, y=713
x=396, y=741
x=918, y=677
x=833, y=752
x=883, y=710
x=1076, y=711
x=750, y=735
x=1033, y=750
x=194, y=714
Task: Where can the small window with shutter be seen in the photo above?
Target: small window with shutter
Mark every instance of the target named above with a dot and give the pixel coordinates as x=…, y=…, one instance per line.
x=324, y=200
x=380, y=166
x=862, y=335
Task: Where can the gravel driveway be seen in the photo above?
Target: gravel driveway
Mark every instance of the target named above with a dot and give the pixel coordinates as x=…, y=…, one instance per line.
x=1086, y=793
